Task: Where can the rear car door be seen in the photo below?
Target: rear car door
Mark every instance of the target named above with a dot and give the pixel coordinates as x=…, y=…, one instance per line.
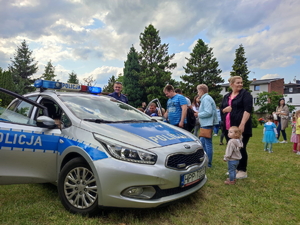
x=28, y=153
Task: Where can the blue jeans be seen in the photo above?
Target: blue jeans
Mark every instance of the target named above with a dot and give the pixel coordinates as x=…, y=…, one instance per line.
x=232, y=165
x=207, y=146
x=282, y=131
x=216, y=128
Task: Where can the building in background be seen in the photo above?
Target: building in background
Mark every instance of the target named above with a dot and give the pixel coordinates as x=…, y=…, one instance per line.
x=292, y=92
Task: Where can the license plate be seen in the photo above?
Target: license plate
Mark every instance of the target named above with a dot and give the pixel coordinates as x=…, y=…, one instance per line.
x=192, y=177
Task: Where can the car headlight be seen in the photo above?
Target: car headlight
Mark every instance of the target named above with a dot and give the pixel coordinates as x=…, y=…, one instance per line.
x=128, y=153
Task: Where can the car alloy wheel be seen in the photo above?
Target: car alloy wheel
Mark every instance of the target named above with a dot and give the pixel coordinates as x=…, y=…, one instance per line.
x=77, y=187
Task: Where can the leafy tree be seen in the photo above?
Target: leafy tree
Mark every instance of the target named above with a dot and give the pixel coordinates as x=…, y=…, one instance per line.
x=49, y=72
x=202, y=68
x=131, y=78
x=73, y=78
x=155, y=65
x=6, y=81
x=110, y=86
x=89, y=81
x=268, y=101
x=22, y=68
x=240, y=68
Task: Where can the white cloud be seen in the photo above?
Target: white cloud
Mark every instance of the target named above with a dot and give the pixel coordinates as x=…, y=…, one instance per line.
x=52, y=52
x=24, y=3
x=61, y=31
x=179, y=58
x=225, y=75
x=270, y=76
x=102, y=74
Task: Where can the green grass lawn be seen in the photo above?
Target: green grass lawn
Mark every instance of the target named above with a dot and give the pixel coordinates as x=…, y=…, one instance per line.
x=269, y=195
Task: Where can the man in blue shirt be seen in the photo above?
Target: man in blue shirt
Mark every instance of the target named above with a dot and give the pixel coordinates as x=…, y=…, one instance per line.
x=176, y=107
x=117, y=93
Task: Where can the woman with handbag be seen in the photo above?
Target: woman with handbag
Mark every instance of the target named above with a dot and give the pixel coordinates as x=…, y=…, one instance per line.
x=208, y=118
x=236, y=109
x=282, y=112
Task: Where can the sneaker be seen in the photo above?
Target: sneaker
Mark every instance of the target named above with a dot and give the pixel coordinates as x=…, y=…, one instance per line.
x=241, y=175
x=295, y=151
x=283, y=142
x=270, y=151
x=215, y=135
x=298, y=153
x=265, y=150
x=221, y=143
x=229, y=182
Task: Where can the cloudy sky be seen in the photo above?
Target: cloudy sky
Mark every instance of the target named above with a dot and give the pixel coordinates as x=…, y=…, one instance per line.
x=93, y=37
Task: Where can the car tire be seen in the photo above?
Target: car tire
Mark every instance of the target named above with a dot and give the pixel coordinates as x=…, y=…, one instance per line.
x=77, y=187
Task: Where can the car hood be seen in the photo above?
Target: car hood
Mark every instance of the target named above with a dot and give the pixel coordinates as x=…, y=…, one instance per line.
x=144, y=135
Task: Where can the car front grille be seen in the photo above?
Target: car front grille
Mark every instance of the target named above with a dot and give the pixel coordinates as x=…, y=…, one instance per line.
x=182, y=161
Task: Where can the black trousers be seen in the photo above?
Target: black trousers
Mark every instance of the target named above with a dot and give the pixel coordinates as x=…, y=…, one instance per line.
x=244, y=160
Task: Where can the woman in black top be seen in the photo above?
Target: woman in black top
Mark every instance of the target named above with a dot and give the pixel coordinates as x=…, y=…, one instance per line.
x=236, y=109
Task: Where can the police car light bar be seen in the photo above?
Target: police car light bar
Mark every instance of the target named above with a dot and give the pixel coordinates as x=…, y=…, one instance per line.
x=47, y=84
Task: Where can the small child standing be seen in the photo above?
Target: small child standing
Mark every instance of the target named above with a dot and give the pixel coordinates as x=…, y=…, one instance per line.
x=270, y=134
x=294, y=138
x=297, y=114
x=232, y=154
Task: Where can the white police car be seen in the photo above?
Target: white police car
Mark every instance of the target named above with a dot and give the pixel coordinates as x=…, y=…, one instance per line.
x=99, y=151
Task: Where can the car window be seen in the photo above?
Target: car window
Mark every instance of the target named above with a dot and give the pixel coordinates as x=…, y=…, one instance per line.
x=55, y=112
x=13, y=105
x=159, y=110
x=24, y=108
x=99, y=107
x=20, y=115
x=16, y=102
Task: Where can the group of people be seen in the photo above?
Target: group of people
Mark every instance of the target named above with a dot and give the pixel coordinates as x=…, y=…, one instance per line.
x=235, y=111
x=281, y=119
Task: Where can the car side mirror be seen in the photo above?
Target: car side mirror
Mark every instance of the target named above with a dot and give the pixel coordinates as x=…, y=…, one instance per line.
x=45, y=121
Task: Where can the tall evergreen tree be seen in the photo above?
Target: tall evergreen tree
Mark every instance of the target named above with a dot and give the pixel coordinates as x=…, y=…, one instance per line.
x=22, y=68
x=73, y=78
x=109, y=88
x=6, y=81
x=131, y=87
x=202, y=68
x=155, y=64
x=49, y=72
x=240, y=68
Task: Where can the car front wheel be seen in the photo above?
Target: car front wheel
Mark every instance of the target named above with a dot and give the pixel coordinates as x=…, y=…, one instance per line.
x=77, y=187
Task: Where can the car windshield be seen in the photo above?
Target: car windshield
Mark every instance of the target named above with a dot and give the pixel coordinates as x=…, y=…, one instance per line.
x=102, y=109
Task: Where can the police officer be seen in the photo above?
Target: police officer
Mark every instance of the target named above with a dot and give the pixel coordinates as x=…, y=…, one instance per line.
x=117, y=93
